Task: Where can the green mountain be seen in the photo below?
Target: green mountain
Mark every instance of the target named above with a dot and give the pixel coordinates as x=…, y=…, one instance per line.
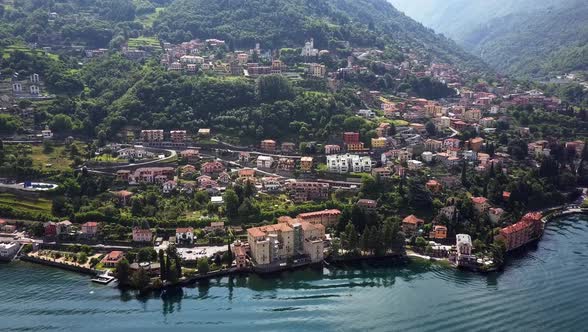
x=525, y=38
x=276, y=23
x=537, y=44
x=91, y=23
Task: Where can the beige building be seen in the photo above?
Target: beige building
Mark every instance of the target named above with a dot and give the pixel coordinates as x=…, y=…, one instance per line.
x=472, y=115
x=306, y=163
x=153, y=135
x=317, y=70
x=287, y=239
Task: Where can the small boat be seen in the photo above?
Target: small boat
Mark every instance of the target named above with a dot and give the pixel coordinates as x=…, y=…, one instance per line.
x=104, y=278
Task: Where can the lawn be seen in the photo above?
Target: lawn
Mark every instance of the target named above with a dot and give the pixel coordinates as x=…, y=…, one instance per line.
x=56, y=160
x=135, y=43
x=29, y=205
x=107, y=158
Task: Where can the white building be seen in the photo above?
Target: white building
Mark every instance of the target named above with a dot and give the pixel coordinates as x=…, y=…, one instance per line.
x=193, y=59
x=345, y=163
x=414, y=165
x=8, y=250
x=464, y=244
x=169, y=186
x=265, y=162
x=427, y=156
x=185, y=235
x=470, y=155
x=308, y=49
x=442, y=122
x=368, y=114
x=47, y=133
x=128, y=153
x=217, y=200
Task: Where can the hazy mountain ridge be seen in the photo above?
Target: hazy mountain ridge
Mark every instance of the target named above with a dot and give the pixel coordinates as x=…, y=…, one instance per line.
x=526, y=38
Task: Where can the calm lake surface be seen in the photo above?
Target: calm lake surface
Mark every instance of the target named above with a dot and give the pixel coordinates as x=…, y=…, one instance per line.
x=543, y=289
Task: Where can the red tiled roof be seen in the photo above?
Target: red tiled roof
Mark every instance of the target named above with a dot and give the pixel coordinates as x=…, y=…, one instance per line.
x=123, y=193
x=526, y=221
x=184, y=230
x=479, y=200
x=114, y=255
x=319, y=213
x=255, y=232
x=412, y=219
x=239, y=251
x=138, y=230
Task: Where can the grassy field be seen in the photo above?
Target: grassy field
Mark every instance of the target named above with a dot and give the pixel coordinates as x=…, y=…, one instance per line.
x=30, y=205
x=107, y=158
x=135, y=43
x=147, y=20
x=17, y=47
x=56, y=160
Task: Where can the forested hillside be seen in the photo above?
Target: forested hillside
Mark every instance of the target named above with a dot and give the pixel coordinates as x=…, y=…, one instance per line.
x=538, y=44
x=104, y=95
x=525, y=38
x=92, y=23
x=289, y=23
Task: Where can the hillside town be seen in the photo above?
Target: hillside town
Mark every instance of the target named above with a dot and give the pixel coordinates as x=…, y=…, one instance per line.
x=436, y=177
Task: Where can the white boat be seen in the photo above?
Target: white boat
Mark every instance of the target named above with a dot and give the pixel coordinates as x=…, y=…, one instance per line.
x=104, y=278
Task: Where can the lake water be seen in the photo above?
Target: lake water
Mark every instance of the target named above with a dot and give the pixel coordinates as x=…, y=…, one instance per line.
x=543, y=289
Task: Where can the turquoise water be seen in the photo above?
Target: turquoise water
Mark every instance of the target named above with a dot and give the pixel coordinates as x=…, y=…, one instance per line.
x=543, y=289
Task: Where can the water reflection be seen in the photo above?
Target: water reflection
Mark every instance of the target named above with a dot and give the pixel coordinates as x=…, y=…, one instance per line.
x=172, y=300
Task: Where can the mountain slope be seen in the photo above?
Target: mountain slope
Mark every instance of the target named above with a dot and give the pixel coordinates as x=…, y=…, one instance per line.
x=526, y=37
x=289, y=23
x=457, y=18
x=537, y=44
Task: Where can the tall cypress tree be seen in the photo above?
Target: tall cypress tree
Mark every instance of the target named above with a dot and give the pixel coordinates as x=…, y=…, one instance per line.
x=162, y=265
x=178, y=266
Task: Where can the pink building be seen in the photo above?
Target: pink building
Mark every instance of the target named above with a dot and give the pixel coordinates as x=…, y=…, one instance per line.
x=332, y=149
x=212, y=167
x=142, y=235
x=90, y=228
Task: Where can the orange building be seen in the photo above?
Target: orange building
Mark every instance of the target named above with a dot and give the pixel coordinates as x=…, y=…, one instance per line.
x=439, y=232
x=268, y=145
x=529, y=228
x=411, y=224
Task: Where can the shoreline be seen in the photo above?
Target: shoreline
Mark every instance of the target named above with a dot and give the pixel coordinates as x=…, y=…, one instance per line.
x=407, y=257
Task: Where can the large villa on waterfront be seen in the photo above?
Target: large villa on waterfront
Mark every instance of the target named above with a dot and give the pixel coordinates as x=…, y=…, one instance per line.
x=528, y=229
x=289, y=239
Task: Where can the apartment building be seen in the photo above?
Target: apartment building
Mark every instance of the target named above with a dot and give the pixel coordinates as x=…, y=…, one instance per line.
x=289, y=238
x=309, y=191
x=348, y=163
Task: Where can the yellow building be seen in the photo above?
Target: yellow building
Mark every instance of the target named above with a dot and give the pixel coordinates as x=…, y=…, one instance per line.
x=306, y=163
x=379, y=143
x=355, y=147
